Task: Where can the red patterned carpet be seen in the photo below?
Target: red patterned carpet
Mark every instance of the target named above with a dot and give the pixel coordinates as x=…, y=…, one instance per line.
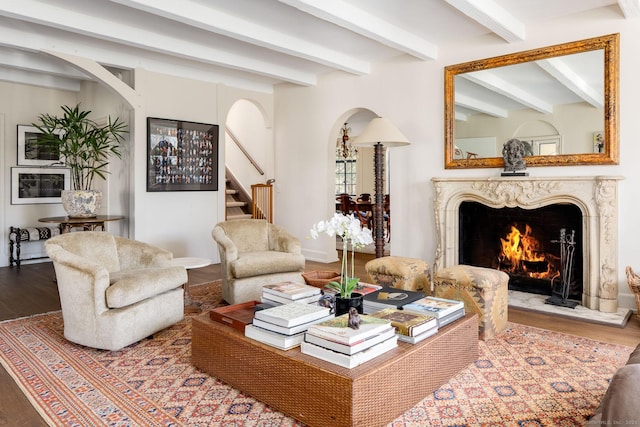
x=524, y=377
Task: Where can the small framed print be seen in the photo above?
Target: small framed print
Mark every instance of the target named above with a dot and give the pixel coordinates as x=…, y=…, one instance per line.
x=182, y=156
x=38, y=185
x=30, y=153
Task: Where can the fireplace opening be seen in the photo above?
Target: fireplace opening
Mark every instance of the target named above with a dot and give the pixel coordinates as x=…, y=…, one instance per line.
x=528, y=244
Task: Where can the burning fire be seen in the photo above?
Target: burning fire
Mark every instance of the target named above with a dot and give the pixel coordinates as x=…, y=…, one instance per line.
x=523, y=254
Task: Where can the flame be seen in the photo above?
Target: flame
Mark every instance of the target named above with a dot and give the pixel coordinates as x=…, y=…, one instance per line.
x=521, y=252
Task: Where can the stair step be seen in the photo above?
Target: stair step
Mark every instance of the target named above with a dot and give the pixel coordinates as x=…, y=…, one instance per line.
x=231, y=191
x=239, y=216
x=235, y=203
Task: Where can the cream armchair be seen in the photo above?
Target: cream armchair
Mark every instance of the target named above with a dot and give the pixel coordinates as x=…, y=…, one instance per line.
x=254, y=253
x=114, y=291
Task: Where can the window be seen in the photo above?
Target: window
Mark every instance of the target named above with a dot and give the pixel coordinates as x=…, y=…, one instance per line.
x=346, y=176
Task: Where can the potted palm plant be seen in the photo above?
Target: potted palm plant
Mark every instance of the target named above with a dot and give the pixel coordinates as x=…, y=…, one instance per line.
x=85, y=147
x=348, y=227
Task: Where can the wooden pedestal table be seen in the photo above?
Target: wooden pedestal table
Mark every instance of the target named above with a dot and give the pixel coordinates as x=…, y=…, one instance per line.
x=319, y=393
x=86, y=224
x=190, y=306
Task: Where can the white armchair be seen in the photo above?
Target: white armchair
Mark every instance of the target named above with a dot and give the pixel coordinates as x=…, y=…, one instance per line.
x=254, y=253
x=114, y=291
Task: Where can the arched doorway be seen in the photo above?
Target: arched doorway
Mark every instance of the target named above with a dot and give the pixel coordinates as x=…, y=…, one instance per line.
x=354, y=175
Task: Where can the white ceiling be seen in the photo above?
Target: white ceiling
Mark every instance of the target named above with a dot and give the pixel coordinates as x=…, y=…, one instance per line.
x=255, y=44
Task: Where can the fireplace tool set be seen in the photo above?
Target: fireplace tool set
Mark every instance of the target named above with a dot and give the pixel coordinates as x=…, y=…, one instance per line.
x=560, y=290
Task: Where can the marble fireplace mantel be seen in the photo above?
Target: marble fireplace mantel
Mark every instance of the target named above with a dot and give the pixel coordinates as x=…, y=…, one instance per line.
x=596, y=197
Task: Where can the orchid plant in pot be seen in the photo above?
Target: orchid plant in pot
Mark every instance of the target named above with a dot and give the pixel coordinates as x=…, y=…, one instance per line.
x=348, y=227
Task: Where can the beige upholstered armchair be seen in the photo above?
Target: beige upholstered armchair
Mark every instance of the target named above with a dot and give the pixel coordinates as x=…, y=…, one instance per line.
x=114, y=291
x=254, y=253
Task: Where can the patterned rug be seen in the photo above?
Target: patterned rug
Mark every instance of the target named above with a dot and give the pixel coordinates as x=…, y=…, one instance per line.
x=524, y=377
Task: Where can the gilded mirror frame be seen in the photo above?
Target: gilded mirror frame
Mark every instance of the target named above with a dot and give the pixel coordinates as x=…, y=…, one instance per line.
x=610, y=156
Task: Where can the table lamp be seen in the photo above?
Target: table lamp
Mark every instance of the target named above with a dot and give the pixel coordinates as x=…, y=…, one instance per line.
x=380, y=132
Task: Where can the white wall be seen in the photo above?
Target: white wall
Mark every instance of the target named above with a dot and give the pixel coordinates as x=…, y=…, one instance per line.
x=21, y=105
x=180, y=221
x=411, y=94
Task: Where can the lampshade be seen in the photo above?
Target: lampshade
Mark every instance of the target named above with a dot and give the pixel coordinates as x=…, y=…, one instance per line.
x=383, y=131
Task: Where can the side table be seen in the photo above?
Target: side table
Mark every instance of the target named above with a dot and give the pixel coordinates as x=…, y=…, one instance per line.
x=87, y=224
x=190, y=306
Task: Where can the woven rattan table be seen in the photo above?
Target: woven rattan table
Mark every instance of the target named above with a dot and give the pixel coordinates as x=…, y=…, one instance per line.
x=319, y=393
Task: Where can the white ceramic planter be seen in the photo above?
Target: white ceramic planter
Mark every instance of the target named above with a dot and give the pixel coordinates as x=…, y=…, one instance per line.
x=81, y=203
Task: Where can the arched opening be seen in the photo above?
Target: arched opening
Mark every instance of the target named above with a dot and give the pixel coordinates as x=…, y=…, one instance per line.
x=354, y=187
x=249, y=160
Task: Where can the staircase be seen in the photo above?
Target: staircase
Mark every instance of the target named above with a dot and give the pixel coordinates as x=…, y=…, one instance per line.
x=238, y=204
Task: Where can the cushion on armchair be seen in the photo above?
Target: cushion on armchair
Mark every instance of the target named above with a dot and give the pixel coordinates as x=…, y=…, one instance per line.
x=131, y=286
x=251, y=264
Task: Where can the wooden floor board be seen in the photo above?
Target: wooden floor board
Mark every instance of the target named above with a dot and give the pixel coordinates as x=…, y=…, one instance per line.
x=33, y=290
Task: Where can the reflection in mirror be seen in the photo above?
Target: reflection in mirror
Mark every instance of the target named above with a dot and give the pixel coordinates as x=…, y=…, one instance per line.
x=560, y=100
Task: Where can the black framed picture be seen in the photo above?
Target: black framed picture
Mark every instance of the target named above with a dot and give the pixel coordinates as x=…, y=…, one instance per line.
x=31, y=152
x=38, y=185
x=182, y=156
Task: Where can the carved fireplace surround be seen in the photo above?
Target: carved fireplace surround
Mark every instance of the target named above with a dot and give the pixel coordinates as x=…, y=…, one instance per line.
x=596, y=197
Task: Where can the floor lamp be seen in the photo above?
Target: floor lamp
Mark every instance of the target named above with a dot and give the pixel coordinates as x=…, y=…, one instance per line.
x=379, y=133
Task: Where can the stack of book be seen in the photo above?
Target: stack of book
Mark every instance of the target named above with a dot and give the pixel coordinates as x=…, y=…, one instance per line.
x=288, y=292
x=410, y=327
x=334, y=341
x=445, y=310
x=283, y=326
x=387, y=297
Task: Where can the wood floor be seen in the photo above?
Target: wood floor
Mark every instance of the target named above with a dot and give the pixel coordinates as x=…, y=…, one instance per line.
x=32, y=290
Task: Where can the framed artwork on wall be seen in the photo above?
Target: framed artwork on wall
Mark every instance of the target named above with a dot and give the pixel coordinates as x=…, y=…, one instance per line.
x=181, y=156
x=30, y=153
x=38, y=185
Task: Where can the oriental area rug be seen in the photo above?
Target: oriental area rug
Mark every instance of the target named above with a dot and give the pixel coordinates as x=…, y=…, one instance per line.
x=524, y=377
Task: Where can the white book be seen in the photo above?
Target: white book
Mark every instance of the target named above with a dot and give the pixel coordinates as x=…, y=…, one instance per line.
x=281, y=341
x=338, y=330
x=445, y=320
x=350, y=349
x=281, y=300
x=345, y=360
x=292, y=314
x=417, y=338
x=288, y=331
x=291, y=290
x=437, y=307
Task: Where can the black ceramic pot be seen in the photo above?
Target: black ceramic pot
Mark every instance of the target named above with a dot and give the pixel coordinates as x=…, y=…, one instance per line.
x=342, y=305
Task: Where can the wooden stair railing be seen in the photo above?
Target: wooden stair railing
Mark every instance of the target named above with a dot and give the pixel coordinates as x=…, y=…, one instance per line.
x=262, y=201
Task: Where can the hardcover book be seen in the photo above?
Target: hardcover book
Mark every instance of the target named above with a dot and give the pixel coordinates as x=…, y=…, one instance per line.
x=445, y=310
x=291, y=290
x=361, y=288
x=437, y=307
x=288, y=331
x=338, y=330
x=389, y=297
x=292, y=314
x=406, y=322
x=274, y=339
x=277, y=300
x=345, y=360
x=417, y=338
x=351, y=349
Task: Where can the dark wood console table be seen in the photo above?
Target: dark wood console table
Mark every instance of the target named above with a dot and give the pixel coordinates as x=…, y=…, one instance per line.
x=87, y=224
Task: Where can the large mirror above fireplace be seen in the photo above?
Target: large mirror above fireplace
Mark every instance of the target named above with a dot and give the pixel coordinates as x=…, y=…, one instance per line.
x=561, y=100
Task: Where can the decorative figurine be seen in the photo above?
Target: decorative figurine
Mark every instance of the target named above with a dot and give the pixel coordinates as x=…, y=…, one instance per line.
x=328, y=301
x=513, y=153
x=354, y=318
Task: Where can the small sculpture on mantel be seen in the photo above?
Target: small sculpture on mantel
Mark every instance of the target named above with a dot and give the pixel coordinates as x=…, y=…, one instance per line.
x=513, y=153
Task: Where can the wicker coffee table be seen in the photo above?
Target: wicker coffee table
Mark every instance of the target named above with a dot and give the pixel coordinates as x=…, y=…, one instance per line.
x=319, y=393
